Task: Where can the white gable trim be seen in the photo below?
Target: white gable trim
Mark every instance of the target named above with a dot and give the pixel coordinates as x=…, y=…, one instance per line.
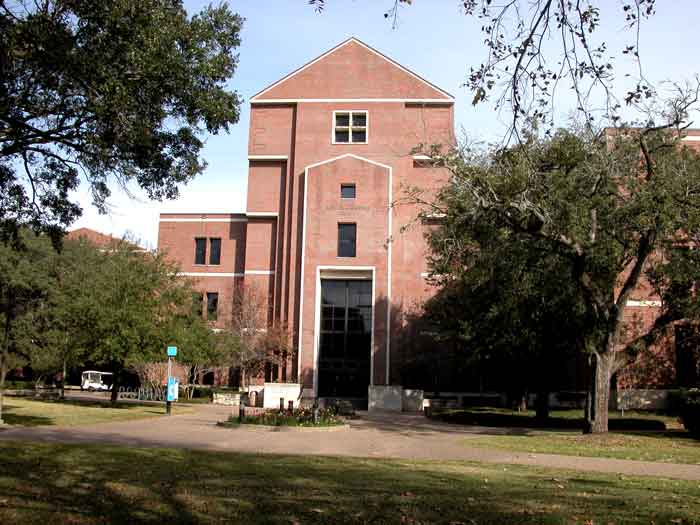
x=333, y=50
x=426, y=101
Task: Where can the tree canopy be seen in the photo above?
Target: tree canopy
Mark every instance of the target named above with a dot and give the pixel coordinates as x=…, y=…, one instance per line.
x=111, y=91
x=609, y=210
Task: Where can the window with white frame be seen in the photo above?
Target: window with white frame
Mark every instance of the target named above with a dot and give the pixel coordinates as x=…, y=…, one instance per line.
x=350, y=127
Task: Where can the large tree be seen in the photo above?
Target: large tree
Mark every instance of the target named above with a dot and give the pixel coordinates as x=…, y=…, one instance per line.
x=111, y=91
x=610, y=207
x=25, y=282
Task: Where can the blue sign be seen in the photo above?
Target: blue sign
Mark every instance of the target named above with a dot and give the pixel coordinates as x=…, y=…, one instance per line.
x=172, y=351
x=172, y=389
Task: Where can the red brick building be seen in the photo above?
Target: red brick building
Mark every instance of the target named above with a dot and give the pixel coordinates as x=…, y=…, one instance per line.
x=330, y=151
x=324, y=234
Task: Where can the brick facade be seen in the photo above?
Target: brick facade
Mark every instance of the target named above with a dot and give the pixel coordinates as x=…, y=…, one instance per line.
x=287, y=241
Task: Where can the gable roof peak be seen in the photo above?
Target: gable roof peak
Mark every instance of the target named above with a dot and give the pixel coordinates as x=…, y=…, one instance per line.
x=439, y=93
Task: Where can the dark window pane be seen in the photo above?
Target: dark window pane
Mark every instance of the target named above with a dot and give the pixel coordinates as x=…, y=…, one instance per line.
x=200, y=250
x=212, y=305
x=342, y=119
x=359, y=119
x=359, y=135
x=347, y=191
x=347, y=234
x=215, y=251
x=342, y=135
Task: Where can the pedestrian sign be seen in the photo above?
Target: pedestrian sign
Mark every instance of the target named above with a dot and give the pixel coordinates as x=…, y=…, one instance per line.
x=172, y=351
x=172, y=389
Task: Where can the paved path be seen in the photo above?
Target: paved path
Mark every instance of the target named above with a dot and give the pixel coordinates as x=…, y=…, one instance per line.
x=375, y=436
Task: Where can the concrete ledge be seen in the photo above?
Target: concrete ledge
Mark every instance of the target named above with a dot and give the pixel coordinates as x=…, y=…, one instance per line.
x=385, y=397
x=273, y=392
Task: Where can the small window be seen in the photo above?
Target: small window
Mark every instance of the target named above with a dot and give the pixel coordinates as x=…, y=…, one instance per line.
x=350, y=127
x=347, y=191
x=347, y=237
x=212, y=306
x=214, y=251
x=200, y=250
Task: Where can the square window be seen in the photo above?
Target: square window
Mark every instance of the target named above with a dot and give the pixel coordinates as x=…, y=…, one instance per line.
x=350, y=127
x=212, y=306
x=200, y=250
x=214, y=251
x=347, y=191
x=347, y=238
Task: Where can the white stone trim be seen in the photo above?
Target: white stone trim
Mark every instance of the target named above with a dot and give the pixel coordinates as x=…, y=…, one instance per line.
x=426, y=101
x=317, y=316
x=303, y=260
x=260, y=272
x=202, y=219
x=422, y=158
x=211, y=274
x=262, y=214
x=333, y=50
x=267, y=157
x=691, y=138
x=631, y=302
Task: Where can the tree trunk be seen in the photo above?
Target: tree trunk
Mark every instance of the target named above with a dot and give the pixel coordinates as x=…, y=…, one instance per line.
x=597, y=418
x=63, y=380
x=3, y=373
x=115, y=388
x=542, y=406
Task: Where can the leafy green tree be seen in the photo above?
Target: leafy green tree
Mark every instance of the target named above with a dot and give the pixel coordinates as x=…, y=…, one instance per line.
x=24, y=286
x=609, y=208
x=127, y=309
x=510, y=304
x=115, y=90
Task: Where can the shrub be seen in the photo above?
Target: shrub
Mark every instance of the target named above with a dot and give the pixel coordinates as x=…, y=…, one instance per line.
x=299, y=417
x=690, y=411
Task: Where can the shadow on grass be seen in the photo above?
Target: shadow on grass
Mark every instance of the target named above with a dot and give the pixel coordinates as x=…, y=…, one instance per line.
x=495, y=418
x=43, y=483
x=26, y=420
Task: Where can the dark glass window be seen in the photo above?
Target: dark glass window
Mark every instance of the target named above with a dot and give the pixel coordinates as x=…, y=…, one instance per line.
x=347, y=191
x=214, y=251
x=212, y=305
x=347, y=237
x=200, y=250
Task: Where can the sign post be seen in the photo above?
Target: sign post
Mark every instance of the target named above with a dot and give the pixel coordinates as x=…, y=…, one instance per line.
x=171, y=393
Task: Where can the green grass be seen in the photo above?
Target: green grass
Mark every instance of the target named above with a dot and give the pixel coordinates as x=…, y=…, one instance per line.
x=30, y=412
x=671, y=447
x=78, y=484
x=559, y=419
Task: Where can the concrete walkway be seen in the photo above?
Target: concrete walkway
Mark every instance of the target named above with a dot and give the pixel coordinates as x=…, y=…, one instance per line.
x=373, y=436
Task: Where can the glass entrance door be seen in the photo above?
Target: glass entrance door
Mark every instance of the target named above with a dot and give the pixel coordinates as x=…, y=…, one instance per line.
x=345, y=338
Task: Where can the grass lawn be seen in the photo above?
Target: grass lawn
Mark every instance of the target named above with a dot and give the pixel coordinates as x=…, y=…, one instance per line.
x=30, y=412
x=560, y=419
x=672, y=446
x=79, y=484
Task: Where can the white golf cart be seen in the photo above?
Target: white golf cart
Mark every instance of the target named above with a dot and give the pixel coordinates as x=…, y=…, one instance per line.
x=92, y=381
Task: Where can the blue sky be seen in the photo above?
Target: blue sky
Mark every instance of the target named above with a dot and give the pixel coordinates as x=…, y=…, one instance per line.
x=433, y=38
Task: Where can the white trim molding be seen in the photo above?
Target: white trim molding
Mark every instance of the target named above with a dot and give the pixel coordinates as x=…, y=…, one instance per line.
x=353, y=271
x=202, y=219
x=333, y=50
x=691, y=138
x=389, y=252
x=632, y=302
x=422, y=158
x=211, y=274
x=260, y=272
x=267, y=157
x=262, y=214
x=424, y=101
